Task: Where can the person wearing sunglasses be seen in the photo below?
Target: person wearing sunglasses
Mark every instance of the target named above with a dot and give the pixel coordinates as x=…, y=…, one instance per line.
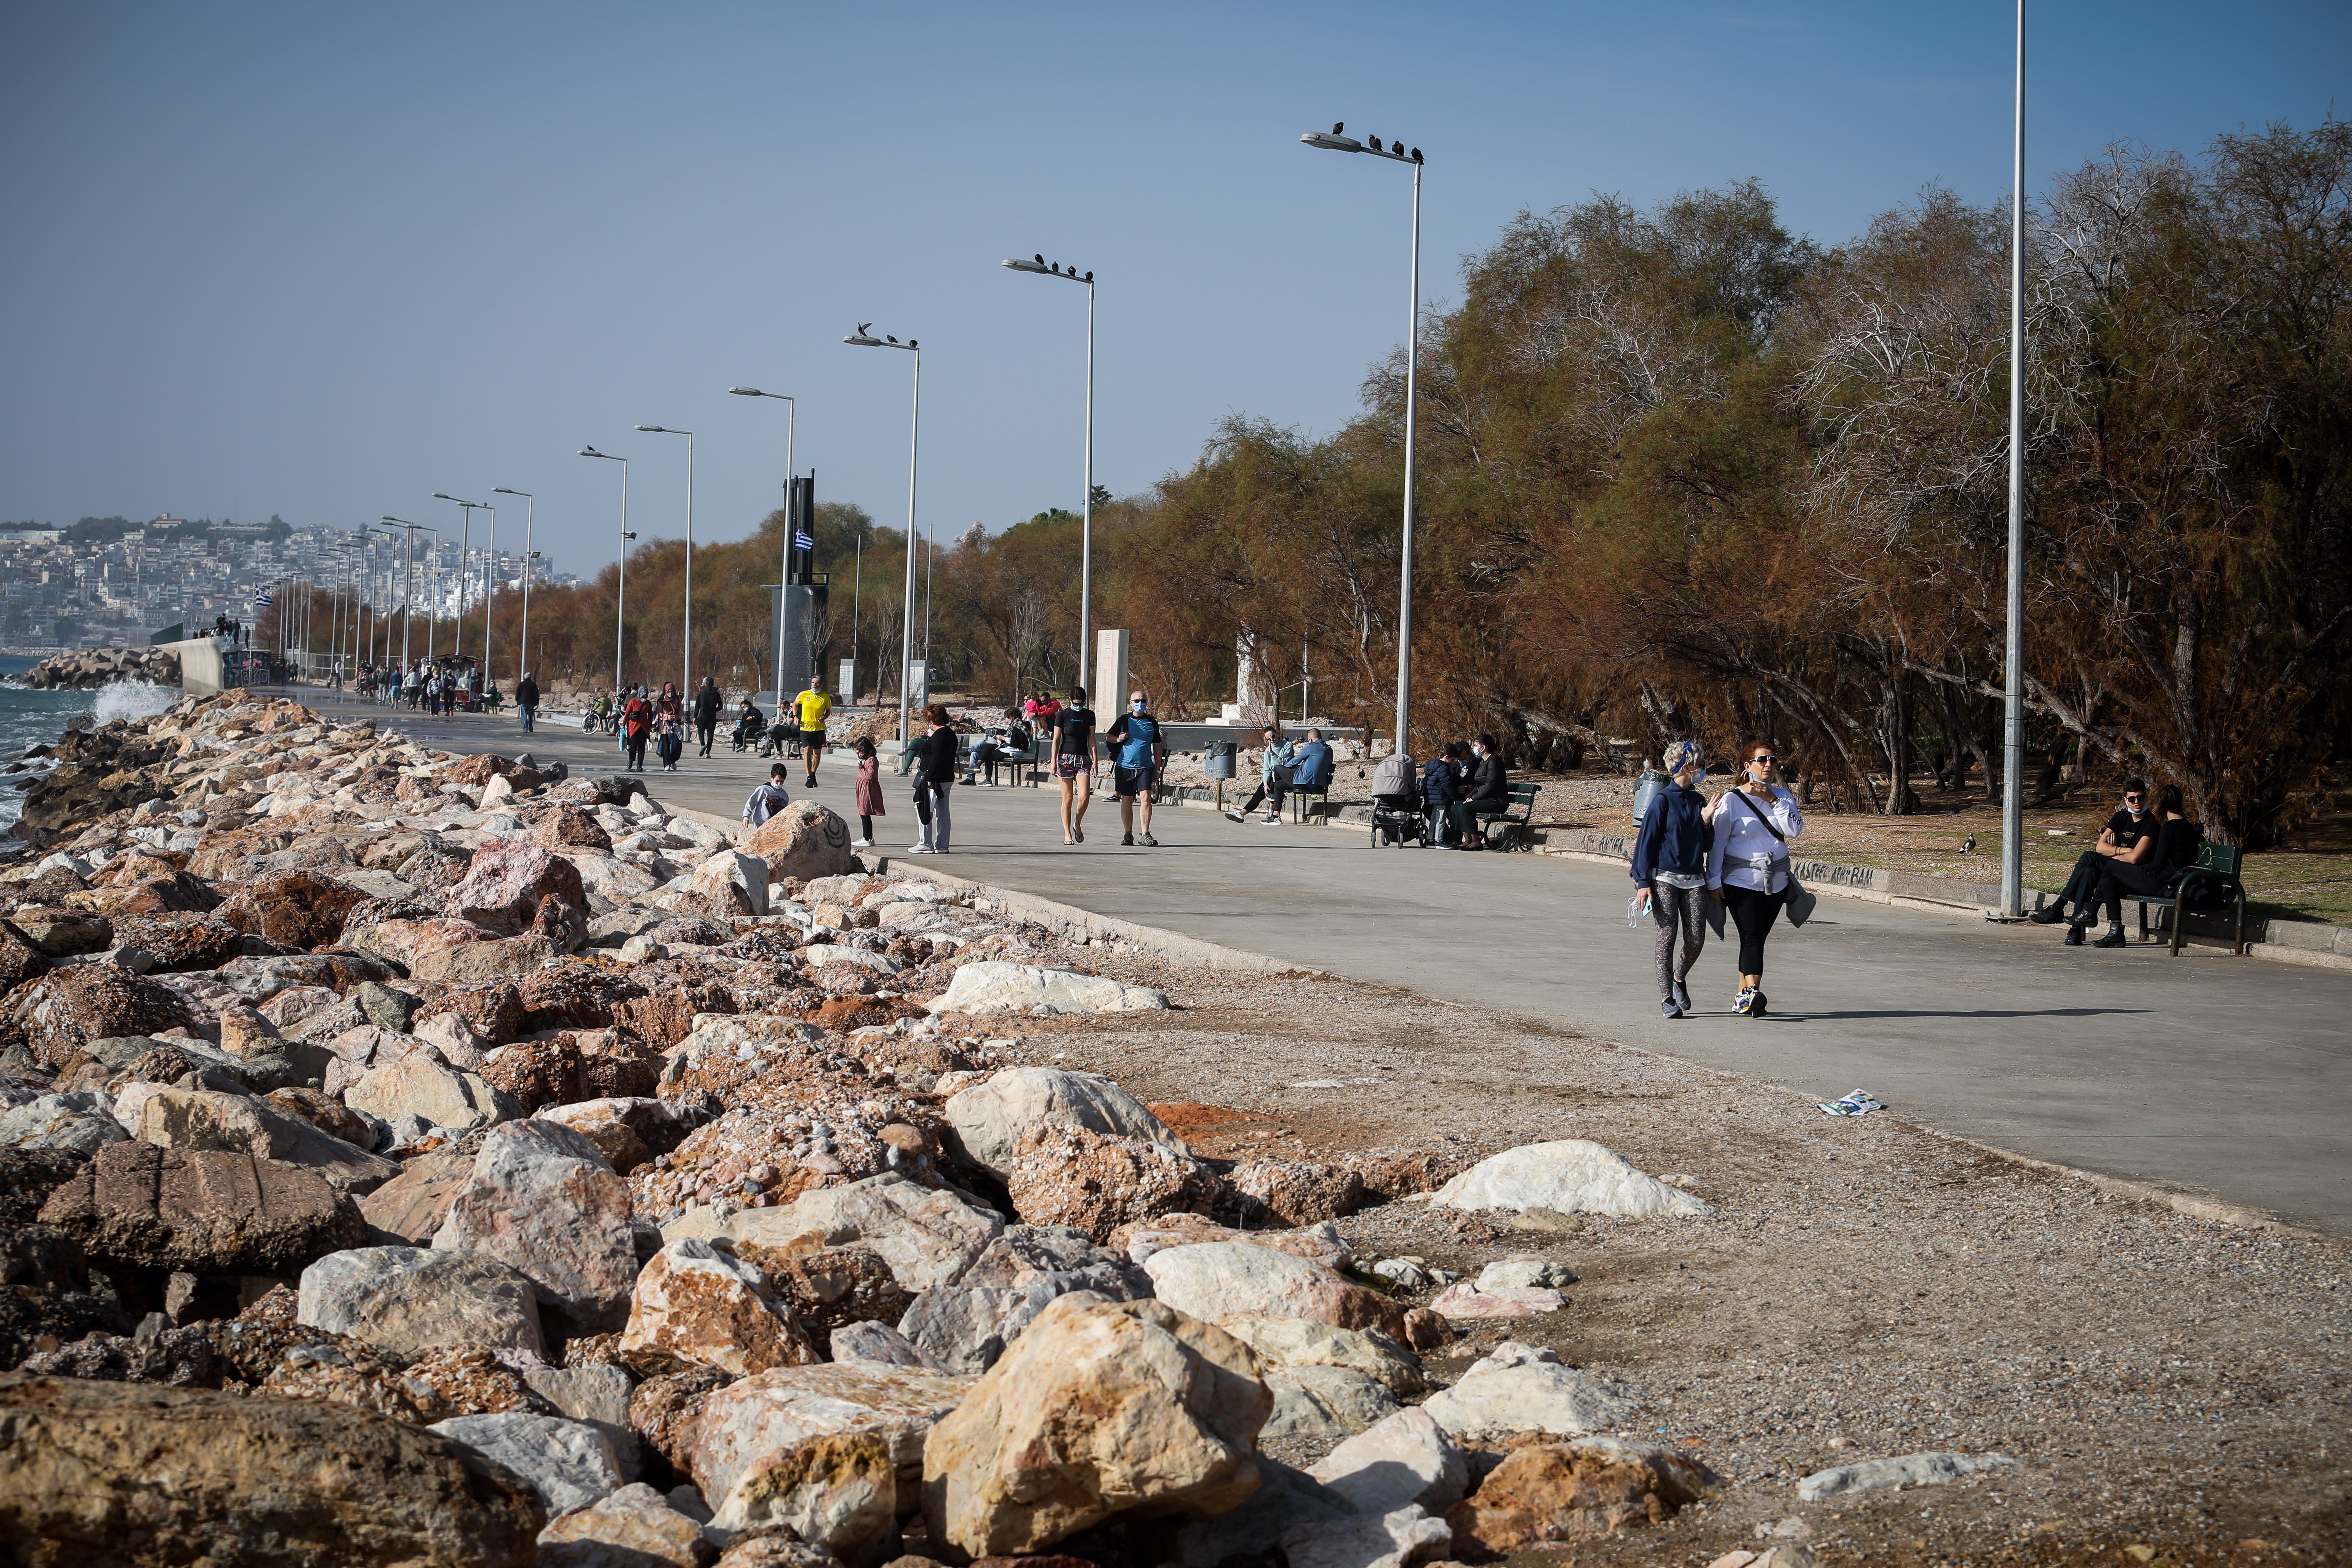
x=2129, y=837
x=1748, y=862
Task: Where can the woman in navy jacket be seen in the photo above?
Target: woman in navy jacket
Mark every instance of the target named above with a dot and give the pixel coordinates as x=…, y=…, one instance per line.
x=1670, y=872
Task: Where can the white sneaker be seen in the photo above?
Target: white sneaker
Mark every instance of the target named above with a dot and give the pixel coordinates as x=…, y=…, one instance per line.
x=919, y=849
x=1235, y=816
x=861, y=844
x=1270, y=821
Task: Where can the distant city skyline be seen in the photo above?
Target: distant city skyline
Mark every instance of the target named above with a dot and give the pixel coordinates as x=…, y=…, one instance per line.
x=323, y=263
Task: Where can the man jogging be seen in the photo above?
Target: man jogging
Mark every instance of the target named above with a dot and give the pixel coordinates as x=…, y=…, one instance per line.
x=706, y=712
x=1138, y=753
x=814, y=706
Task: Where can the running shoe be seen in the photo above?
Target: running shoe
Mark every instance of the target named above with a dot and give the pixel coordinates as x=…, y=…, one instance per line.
x=919, y=849
x=1756, y=1009
x=1270, y=821
x=1671, y=1008
x=861, y=844
x=1235, y=816
x=1150, y=842
x=1126, y=840
x=1682, y=996
x=1743, y=1001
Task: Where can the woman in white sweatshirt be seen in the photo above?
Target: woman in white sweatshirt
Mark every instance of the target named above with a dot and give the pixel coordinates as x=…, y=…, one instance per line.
x=1748, y=862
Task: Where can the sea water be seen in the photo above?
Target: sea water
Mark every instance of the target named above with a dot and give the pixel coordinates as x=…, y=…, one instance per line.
x=29, y=719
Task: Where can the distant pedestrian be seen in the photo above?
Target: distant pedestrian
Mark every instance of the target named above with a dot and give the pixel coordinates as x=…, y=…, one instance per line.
x=527, y=701
x=669, y=741
x=1748, y=862
x=935, y=773
x=1276, y=759
x=868, y=790
x=1139, y=753
x=670, y=704
x=636, y=729
x=706, y=712
x=812, y=707
x=769, y=798
x=1670, y=874
x=1073, y=729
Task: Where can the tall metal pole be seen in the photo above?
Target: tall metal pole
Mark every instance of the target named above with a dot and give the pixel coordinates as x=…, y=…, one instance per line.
x=1412, y=402
x=792, y=417
x=489, y=596
x=856, y=603
x=408, y=591
x=529, y=515
x=907, y=620
x=621, y=597
x=2013, y=785
x=1087, y=514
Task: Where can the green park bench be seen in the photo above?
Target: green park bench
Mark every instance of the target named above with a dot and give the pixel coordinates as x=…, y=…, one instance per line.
x=2214, y=876
x=1517, y=821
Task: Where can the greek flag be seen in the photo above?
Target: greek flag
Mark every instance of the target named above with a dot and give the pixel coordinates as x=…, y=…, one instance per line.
x=261, y=599
x=804, y=539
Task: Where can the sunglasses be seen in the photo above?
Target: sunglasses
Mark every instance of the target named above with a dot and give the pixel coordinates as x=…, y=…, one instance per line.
x=1763, y=757
x=2134, y=797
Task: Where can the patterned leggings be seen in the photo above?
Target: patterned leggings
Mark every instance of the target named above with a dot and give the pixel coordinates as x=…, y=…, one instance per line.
x=1671, y=907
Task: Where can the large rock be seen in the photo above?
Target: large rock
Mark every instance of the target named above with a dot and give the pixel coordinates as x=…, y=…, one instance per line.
x=753, y=1423
x=1521, y=1388
x=804, y=840
x=1548, y=1492
x=967, y=1325
x=1316, y=1243
x=209, y=1118
x=1397, y=1539
x=124, y=1472
x=1464, y=1300
x=990, y=986
x=1101, y=1408
x=706, y=1306
x=507, y=880
x=1299, y=1192
x=1320, y=1403
x=79, y=1124
x=1095, y=1182
x=1303, y=1341
x=412, y=1206
x=569, y=1463
x=301, y=908
x=418, y=1085
x=990, y=1118
x=1219, y=1279
x=628, y=1130
x=542, y=1199
x=633, y=1528
x=733, y=881
x=416, y=1301
x=837, y=1493
x=63, y=1011
x=1908, y=1469
x=487, y=962
x=1404, y=1461
x=929, y=1236
x=202, y=1211
x=1568, y=1175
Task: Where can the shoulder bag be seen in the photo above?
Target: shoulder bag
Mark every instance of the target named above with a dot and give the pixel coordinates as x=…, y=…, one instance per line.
x=1800, y=901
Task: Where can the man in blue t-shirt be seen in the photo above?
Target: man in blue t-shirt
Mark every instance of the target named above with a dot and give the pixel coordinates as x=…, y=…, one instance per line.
x=1138, y=752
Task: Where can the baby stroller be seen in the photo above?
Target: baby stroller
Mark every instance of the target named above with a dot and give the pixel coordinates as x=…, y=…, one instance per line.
x=1397, y=815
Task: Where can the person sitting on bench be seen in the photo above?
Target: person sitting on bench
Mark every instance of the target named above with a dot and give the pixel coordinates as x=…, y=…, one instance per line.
x=1311, y=768
x=2129, y=837
x=1490, y=795
x=1274, y=771
x=2174, y=839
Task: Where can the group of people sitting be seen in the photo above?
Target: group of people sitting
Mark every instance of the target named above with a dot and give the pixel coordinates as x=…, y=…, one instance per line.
x=1283, y=768
x=2139, y=853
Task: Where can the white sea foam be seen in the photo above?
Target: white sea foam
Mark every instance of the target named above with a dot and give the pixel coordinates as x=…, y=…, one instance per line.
x=132, y=700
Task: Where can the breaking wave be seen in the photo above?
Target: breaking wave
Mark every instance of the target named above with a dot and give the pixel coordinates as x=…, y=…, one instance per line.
x=132, y=700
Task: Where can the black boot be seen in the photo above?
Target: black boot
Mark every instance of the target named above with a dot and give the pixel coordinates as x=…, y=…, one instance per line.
x=2114, y=937
x=2049, y=914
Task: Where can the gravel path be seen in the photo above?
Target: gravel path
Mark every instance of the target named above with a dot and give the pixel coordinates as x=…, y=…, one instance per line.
x=2171, y=1386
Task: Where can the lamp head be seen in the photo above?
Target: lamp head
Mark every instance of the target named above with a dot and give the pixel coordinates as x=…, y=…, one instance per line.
x=502, y=491
x=747, y=391
x=1332, y=141
x=653, y=429
x=438, y=496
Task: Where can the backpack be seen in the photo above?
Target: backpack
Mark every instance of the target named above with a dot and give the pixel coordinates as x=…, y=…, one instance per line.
x=1646, y=790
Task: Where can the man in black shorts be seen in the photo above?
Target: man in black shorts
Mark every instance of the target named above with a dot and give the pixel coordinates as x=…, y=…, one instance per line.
x=2130, y=824
x=1138, y=752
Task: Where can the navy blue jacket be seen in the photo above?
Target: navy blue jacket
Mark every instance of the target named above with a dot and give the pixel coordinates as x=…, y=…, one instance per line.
x=1675, y=836
x=1437, y=784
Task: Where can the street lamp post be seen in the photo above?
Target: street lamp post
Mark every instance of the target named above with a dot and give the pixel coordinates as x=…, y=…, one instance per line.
x=530, y=510
x=621, y=598
x=465, y=565
x=792, y=417
x=407, y=581
x=2012, y=748
x=685, y=645
x=1337, y=141
x=1086, y=516
x=864, y=339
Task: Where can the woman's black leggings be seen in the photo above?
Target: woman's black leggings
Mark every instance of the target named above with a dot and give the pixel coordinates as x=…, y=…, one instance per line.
x=1753, y=913
x=2119, y=881
x=636, y=745
x=865, y=827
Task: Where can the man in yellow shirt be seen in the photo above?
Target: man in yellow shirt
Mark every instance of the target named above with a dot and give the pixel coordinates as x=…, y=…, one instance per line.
x=814, y=706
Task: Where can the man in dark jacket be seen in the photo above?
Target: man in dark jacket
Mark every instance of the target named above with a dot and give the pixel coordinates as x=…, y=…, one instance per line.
x=527, y=701
x=1490, y=795
x=706, y=712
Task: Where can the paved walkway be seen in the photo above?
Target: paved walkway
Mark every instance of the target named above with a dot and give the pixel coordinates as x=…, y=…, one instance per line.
x=2215, y=1074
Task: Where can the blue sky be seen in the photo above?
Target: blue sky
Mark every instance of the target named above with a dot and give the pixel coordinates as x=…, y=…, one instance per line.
x=324, y=260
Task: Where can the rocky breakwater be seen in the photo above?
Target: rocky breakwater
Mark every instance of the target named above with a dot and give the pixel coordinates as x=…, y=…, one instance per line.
x=87, y=668
x=431, y=1156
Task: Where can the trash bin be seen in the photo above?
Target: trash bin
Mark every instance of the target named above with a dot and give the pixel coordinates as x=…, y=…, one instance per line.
x=1221, y=758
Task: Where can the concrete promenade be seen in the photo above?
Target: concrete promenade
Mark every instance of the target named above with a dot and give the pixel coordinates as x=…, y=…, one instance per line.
x=2210, y=1074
